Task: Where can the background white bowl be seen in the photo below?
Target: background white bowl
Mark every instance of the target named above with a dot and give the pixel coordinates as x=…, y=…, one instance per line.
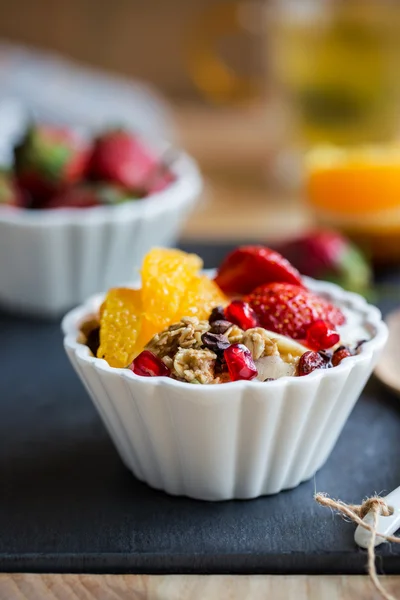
x=51, y=260
x=233, y=441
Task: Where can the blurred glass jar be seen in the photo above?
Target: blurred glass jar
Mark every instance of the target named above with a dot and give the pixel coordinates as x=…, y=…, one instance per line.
x=332, y=77
x=332, y=63
x=337, y=64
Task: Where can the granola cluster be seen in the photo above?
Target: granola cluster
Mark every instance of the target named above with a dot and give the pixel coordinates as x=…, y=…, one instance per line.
x=193, y=349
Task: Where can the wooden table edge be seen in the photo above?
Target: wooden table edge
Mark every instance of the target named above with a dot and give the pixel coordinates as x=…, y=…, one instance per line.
x=26, y=586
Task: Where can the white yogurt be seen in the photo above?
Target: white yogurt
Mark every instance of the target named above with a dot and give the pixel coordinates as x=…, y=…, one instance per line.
x=354, y=330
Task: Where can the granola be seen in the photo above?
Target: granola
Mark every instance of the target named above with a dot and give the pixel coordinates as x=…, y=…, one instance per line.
x=194, y=366
x=260, y=343
x=185, y=334
x=194, y=350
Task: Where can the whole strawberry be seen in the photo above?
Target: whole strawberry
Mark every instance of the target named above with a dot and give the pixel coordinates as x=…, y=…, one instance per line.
x=87, y=195
x=120, y=157
x=291, y=309
x=49, y=158
x=329, y=255
x=10, y=194
x=248, y=267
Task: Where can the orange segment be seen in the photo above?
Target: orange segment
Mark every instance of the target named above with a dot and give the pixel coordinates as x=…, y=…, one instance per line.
x=120, y=321
x=166, y=275
x=147, y=331
x=171, y=289
x=354, y=181
x=202, y=296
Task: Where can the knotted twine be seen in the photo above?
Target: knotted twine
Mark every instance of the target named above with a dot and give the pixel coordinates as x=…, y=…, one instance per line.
x=357, y=512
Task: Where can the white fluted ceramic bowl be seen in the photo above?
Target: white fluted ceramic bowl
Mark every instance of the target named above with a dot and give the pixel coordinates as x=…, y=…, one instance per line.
x=238, y=440
x=51, y=260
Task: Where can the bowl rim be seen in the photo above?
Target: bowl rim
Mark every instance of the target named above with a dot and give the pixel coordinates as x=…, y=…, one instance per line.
x=373, y=318
x=186, y=186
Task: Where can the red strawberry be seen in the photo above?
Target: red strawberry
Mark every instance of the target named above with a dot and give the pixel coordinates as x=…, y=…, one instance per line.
x=122, y=158
x=87, y=195
x=49, y=158
x=329, y=255
x=248, y=267
x=291, y=309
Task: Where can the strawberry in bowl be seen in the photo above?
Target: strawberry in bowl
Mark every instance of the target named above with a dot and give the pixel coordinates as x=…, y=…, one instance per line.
x=73, y=207
x=219, y=395
x=49, y=158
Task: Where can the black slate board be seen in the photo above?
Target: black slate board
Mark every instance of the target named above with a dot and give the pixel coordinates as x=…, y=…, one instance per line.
x=67, y=503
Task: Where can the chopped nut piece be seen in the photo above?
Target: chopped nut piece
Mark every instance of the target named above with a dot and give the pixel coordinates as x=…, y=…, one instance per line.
x=195, y=366
x=185, y=334
x=168, y=361
x=234, y=334
x=259, y=343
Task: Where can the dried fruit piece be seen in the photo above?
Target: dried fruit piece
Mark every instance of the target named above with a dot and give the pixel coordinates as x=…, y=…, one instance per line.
x=320, y=336
x=241, y=314
x=120, y=322
x=147, y=364
x=339, y=355
x=240, y=363
x=309, y=362
x=166, y=277
x=248, y=267
x=290, y=309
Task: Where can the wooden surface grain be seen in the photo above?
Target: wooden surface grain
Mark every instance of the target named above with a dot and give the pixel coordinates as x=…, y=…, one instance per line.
x=180, y=587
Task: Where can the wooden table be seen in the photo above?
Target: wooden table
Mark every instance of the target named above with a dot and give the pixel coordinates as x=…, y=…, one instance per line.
x=232, y=149
x=178, y=587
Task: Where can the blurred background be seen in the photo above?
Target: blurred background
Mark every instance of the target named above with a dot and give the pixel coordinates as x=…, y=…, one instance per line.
x=247, y=87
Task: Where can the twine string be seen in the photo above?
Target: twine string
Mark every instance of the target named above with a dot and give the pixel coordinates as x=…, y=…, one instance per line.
x=357, y=512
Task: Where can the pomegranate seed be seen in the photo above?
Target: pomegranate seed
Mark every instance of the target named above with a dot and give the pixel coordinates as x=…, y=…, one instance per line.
x=339, y=355
x=241, y=314
x=147, y=364
x=310, y=361
x=320, y=336
x=240, y=362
